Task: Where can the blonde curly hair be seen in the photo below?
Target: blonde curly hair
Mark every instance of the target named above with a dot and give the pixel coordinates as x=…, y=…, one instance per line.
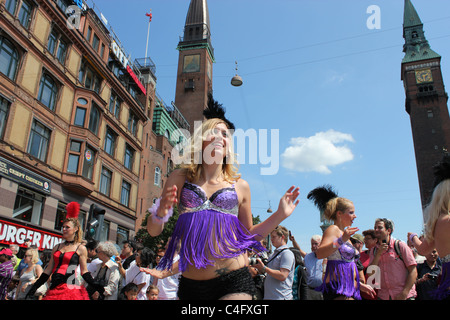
x=194, y=155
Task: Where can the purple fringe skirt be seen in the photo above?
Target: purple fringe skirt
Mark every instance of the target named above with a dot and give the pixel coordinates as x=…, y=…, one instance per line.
x=206, y=235
x=341, y=276
x=443, y=291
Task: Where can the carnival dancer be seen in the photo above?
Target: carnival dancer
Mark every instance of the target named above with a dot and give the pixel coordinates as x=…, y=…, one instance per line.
x=65, y=259
x=341, y=280
x=215, y=227
x=437, y=227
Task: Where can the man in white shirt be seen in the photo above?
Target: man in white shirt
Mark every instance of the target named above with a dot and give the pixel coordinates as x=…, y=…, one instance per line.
x=279, y=269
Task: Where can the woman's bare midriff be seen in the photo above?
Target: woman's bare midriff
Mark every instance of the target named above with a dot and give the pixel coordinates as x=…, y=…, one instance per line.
x=221, y=267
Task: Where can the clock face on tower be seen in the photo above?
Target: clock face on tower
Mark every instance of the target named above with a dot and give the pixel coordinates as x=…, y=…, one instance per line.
x=423, y=76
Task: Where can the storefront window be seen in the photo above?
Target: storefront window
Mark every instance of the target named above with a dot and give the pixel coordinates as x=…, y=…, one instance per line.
x=122, y=235
x=28, y=205
x=61, y=215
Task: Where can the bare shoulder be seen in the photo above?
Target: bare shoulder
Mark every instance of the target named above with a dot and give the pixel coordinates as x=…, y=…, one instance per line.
x=242, y=184
x=332, y=231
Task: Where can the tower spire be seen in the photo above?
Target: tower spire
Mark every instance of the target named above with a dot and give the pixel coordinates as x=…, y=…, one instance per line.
x=416, y=46
x=197, y=32
x=195, y=63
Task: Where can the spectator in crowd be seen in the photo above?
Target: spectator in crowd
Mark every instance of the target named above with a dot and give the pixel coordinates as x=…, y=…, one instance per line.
x=396, y=263
x=6, y=271
x=15, y=250
x=370, y=241
x=29, y=275
x=279, y=269
x=127, y=255
x=144, y=258
x=427, y=276
x=314, y=267
x=130, y=291
x=152, y=292
x=93, y=260
x=299, y=286
x=357, y=241
x=106, y=273
x=168, y=283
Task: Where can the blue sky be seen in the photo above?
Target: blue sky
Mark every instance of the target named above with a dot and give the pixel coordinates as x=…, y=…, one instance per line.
x=314, y=71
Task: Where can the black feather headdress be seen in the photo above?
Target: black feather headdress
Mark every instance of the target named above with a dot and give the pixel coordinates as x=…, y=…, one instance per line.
x=442, y=170
x=215, y=110
x=321, y=195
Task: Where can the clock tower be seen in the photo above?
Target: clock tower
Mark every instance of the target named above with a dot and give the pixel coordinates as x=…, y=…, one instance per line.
x=196, y=56
x=426, y=100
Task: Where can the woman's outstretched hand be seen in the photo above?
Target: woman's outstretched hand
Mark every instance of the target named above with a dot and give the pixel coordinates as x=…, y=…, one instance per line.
x=289, y=202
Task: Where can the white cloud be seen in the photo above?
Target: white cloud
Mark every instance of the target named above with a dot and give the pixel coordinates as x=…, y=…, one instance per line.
x=317, y=153
x=335, y=78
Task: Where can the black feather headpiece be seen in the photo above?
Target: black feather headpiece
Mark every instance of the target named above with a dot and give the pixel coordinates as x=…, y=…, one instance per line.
x=216, y=110
x=321, y=195
x=442, y=170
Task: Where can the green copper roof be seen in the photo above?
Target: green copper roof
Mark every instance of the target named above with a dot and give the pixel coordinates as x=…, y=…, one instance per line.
x=410, y=16
x=420, y=54
x=416, y=46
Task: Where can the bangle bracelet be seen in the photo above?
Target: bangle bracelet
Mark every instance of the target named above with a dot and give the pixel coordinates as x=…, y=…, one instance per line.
x=411, y=237
x=153, y=212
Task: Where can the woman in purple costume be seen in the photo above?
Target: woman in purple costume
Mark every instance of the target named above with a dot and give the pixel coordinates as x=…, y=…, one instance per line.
x=437, y=227
x=341, y=280
x=214, y=228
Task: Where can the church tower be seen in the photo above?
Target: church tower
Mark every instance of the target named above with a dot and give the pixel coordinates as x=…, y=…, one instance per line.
x=196, y=56
x=426, y=100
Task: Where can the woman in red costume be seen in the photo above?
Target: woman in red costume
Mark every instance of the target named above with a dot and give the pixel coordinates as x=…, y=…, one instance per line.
x=65, y=259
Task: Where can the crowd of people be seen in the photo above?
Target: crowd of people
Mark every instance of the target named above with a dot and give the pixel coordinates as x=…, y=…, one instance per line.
x=216, y=252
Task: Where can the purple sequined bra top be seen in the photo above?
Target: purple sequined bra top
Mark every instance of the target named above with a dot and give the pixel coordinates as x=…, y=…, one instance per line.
x=207, y=229
x=341, y=275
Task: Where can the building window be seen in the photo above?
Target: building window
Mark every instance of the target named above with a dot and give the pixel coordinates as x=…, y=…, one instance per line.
x=80, y=115
x=132, y=123
x=95, y=42
x=129, y=157
x=4, y=111
x=57, y=46
x=78, y=150
x=88, y=162
x=94, y=118
x=25, y=13
x=88, y=35
x=89, y=78
x=9, y=58
x=430, y=113
x=114, y=104
x=157, y=180
x=125, y=194
x=11, y=6
x=110, y=141
x=105, y=181
x=28, y=205
x=122, y=235
x=48, y=91
x=102, y=51
x=74, y=156
x=39, y=141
